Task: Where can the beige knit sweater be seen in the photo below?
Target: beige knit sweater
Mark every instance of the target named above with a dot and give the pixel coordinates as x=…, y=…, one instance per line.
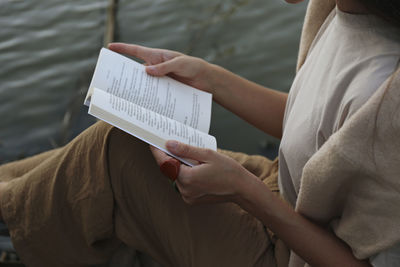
x=353, y=181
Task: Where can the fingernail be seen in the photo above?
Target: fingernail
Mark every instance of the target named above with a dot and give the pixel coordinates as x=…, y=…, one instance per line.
x=151, y=68
x=172, y=145
x=170, y=169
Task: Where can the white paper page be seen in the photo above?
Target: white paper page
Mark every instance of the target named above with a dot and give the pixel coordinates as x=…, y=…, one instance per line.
x=125, y=78
x=154, y=128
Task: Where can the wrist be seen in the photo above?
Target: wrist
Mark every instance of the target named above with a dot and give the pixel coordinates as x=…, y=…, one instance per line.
x=255, y=197
x=214, y=77
x=245, y=188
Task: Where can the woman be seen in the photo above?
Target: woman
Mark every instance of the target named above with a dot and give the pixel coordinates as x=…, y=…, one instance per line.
x=337, y=165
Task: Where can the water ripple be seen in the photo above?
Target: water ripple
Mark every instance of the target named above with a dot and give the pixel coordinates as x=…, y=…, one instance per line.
x=48, y=50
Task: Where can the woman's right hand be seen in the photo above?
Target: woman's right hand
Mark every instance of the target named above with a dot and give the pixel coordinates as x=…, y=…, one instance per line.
x=159, y=62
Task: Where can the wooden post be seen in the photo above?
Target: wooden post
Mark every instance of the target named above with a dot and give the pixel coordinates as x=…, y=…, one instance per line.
x=110, y=22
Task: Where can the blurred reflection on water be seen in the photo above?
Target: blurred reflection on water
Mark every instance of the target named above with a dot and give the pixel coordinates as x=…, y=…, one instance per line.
x=48, y=50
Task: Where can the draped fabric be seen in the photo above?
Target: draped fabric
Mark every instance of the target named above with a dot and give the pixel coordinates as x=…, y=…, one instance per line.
x=352, y=182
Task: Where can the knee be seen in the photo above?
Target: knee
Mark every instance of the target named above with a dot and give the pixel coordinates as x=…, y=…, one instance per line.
x=121, y=144
x=101, y=128
x=131, y=164
x=127, y=154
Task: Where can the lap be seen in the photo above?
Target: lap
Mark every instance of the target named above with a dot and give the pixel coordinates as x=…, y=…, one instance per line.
x=144, y=211
x=204, y=235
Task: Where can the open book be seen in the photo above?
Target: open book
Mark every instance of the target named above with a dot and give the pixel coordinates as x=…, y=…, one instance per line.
x=153, y=109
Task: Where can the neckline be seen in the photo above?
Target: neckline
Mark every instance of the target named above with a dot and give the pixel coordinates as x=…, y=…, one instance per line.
x=361, y=21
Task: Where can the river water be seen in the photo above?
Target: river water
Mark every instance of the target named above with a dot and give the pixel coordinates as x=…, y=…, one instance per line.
x=48, y=50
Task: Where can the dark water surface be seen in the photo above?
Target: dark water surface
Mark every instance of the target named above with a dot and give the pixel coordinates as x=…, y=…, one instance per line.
x=48, y=50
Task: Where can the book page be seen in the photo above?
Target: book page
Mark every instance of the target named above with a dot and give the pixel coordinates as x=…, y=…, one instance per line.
x=145, y=124
x=127, y=79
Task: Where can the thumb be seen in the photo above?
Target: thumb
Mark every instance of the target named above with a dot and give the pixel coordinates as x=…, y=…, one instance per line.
x=189, y=152
x=163, y=68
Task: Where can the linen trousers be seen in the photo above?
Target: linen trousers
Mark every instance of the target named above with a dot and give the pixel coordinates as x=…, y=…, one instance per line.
x=76, y=205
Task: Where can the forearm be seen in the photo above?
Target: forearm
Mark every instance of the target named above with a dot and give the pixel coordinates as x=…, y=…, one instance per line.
x=262, y=107
x=315, y=244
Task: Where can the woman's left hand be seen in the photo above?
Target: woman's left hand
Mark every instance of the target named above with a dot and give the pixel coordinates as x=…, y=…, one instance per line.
x=218, y=178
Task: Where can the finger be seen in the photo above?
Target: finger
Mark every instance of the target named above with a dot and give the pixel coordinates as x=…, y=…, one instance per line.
x=190, y=152
x=168, y=165
x=150, y=55
x=175, y=187
x=179, y=186
x=138, y=51
x=159, y=155
x=170, y=168
x=165, y=68
x=188, y=200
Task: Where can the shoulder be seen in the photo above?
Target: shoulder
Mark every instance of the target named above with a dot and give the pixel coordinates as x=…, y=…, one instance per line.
x=375, y=126
x=362, y=80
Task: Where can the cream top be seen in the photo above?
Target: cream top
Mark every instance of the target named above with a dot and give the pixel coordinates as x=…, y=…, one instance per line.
x=350, y=58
